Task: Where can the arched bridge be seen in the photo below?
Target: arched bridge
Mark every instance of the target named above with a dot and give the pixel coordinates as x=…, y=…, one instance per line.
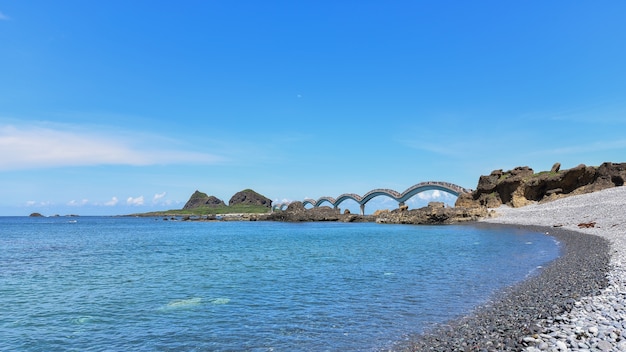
x=401, y=198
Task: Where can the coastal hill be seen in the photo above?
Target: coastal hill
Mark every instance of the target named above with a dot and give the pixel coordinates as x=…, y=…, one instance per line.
x=200, y=199
x=247, y=197
x=250, y=197
x=244, y=205
x=522, y=186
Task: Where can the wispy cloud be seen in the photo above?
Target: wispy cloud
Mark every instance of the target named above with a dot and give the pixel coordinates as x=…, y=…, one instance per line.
x=158, y=197
x=33, y=203
x=599, y=146
x=30, y=147
x=113, y=202
x=446, y=147
x=4, y=17
x=78, y=203
x=608, y=113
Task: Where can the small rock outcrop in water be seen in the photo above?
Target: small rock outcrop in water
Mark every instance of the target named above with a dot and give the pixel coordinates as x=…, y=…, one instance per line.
x=199, y=199
x=249, y=197
x=522, y=186
x=35, y=215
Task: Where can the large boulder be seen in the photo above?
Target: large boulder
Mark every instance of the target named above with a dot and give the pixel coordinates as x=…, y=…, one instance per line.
x=522, y=186
x=296, y=212
x=380, y=212
x=200, y=199
x=250, y=197
x=434, y=213
x=296, y=207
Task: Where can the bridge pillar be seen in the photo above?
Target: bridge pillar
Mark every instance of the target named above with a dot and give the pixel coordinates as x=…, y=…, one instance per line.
x=362, y=206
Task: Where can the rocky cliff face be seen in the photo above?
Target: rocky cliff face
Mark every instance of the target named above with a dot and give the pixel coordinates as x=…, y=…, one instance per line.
x=250, y=197
x=522, y=186
x=199, y=199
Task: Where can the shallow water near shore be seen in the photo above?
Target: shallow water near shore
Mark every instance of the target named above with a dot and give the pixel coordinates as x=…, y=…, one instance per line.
x=144, y=284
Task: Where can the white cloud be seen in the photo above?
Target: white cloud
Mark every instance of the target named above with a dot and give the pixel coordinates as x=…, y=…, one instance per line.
x=284, y=200
x=135, y=201
x=429, y=195
x=29, y=147
x=75, y=203
x=32, y=203
x=4, y=17
x=112, y=202
x=158, y=197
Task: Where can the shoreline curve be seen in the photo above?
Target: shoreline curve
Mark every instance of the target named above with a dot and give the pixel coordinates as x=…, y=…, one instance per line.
x=568, y=304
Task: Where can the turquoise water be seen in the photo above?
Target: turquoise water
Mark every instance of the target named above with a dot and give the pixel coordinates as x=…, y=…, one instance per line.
x=121, y=284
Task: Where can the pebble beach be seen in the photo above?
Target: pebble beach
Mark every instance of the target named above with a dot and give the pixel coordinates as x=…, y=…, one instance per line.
x=577, y=303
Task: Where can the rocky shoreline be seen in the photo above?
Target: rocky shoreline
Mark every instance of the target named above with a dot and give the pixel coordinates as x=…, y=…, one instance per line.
x=435, y=213
x=577, y=303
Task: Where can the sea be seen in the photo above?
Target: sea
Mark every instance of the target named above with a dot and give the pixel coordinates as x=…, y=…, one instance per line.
x=145, y=284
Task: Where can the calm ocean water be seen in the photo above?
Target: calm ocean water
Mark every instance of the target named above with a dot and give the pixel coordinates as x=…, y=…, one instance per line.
x=121, y=284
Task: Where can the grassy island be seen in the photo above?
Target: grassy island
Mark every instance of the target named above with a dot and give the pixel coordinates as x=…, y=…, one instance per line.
x=211, y=210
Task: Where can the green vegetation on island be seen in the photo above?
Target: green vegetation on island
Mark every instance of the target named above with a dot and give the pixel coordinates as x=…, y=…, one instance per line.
x=211, y=210
x=200, y=204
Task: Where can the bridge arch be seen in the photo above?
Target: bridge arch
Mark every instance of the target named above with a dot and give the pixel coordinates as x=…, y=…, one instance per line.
x=424, y=187
x=280, y=206
x=306, y=201
x=322, y=200
x=380, y=192
x=346, y=196
x=401, y=198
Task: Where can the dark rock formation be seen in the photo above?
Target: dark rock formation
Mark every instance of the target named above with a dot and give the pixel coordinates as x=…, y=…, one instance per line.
x=35, y=215
x=522, y=186
x=250, y=197
x=296, y=212
x=199, y=199
x=434, y=214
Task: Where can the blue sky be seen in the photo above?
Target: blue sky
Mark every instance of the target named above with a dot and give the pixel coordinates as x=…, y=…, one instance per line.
x=116, y=107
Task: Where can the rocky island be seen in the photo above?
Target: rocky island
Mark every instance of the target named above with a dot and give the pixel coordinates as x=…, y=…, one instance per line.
x=243, y=205
x=199, y=199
